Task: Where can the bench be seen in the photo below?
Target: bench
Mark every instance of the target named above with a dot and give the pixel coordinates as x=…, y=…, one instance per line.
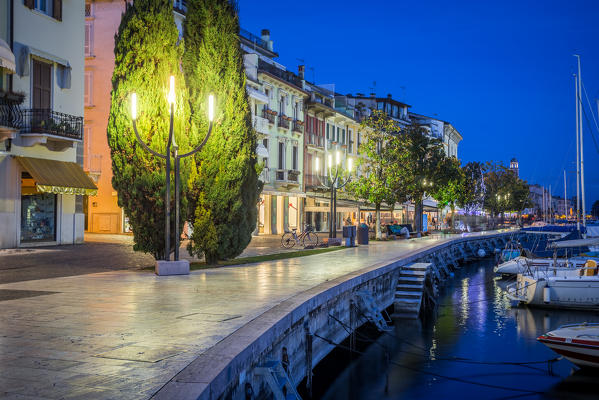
x=396, y=229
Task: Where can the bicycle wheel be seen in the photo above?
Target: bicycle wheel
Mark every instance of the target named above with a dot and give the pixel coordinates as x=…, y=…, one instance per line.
x=288, y=241
x=310, y=240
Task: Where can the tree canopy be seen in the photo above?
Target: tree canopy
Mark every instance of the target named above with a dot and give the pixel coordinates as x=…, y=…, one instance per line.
x=225, y=186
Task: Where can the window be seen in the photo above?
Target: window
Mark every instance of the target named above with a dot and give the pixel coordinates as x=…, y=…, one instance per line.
x=265, y=159
x=42, y=85
x=52, y=8
x=342, y=136
x=388, y=109
x=328, y=129
x=359, y=139
x=295, y=111
x=294, y=158
x=87, y=89
x=282, y=105
x=281, y=155
x=380, y=105
x=350, y=137
x=338, y=131
x=395, y=111
x=88, y=38
x=44, y=6
x=88, y=9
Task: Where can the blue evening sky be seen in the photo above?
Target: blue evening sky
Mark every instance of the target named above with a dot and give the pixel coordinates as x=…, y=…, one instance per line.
x=500, y=72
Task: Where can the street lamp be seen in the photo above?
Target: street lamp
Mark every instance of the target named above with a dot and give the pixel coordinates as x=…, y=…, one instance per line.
x=334, y=182
x=171, y=147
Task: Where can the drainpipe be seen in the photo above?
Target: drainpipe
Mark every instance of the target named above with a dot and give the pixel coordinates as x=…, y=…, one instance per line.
x=11, y=37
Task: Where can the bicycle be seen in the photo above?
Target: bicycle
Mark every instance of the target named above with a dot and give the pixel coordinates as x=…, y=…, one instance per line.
x=308, y=238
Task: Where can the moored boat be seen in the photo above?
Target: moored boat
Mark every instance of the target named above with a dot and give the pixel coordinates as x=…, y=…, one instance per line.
x=579, y=343
x=573, y=288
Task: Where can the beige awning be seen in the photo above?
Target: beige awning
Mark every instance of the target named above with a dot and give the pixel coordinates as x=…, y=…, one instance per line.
x=7, y=58
x=58, y=177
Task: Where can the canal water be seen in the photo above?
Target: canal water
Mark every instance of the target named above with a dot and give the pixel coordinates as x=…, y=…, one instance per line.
x=466, y=349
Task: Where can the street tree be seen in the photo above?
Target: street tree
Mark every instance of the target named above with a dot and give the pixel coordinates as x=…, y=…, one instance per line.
x=505, y=191
x=450, y=193
x=225, y=186
x=473, y=188
x=595, y=209
x=423, y=169
x=146, y=53
x=380, y=165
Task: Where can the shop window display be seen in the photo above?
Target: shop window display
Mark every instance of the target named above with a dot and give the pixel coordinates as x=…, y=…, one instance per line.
x=38, y=217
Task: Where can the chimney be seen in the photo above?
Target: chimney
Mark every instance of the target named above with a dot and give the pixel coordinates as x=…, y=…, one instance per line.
x=372, y=95
x=301, y=70
x=266, y=38
x=389, y=96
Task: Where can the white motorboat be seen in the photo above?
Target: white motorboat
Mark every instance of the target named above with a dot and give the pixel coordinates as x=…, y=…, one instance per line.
x=523, y=265
x=578, y=343
x=574, y=288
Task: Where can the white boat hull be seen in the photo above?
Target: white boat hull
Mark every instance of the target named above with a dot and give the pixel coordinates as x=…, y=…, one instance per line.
x=579, y=343
x=565, y=290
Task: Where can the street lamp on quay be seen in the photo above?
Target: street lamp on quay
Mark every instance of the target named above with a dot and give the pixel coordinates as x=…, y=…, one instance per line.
x=172, y=150
x=334, y=180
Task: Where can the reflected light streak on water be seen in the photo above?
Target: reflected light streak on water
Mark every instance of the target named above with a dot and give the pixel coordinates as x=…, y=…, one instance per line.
x=471, y=303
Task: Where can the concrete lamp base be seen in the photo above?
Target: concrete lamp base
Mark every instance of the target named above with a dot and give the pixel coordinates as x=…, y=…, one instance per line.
x=165, y=268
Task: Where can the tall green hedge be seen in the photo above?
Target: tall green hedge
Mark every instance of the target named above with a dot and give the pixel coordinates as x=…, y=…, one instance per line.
x=225, y=188
x=146, y=53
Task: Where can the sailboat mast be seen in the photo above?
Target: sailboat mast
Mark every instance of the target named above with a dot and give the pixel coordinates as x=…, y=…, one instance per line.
x=577, y=159
x=565, y=198
x=584, y=213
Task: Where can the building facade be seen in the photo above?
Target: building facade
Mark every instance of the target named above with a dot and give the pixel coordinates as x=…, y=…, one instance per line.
x=41, y=145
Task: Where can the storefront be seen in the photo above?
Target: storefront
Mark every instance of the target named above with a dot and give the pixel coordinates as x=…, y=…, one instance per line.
x=279, y=212
x=47, y=195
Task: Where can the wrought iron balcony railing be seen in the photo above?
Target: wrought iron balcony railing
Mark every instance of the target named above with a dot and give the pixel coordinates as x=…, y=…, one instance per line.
x=283, y=122
x=269, y=115
x=298, y=126
x=53, y=123
x=315, y=140
x=11, y=115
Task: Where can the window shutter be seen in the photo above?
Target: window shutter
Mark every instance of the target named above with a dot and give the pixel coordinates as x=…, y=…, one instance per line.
x=30, y=3
x=57, y=10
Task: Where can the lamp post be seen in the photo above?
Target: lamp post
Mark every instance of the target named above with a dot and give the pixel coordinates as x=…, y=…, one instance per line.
x=171, y=147
x=334, y=181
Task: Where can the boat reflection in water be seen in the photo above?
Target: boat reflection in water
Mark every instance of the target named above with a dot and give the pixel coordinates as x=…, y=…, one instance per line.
x=475, y=346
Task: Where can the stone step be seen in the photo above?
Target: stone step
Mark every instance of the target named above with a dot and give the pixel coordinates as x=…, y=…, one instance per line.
x=412, y=273
x=407, y=302
x=407, y=294
x=409, y=288
x=417, y=267
x=411, y=280
x=405, y=315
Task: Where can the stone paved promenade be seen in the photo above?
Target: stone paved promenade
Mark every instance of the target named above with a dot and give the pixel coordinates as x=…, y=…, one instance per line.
x=124, y=334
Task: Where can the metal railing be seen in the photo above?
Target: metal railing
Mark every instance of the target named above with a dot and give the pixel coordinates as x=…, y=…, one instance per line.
x=283, y=122
x=315, y=140
x=298, y=126
x=269, y=116
x=53, y=123
x=253, y=38
x=260, y=124
x=265, y=175
x=11, y=114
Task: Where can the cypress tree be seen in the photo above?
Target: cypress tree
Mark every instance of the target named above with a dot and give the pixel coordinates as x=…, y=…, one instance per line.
x=225, y=188
x=146, y=54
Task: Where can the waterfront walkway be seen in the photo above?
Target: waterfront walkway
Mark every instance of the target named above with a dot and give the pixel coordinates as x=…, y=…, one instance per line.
x=124, y=334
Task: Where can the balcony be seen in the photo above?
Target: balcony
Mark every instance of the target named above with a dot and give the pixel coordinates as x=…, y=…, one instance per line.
x=54, y=123
x=315, y=140
x=260, y=124
x=298, y=126
x=284, y=122
x=11, y=116
x=269, y=115
x=287, y=177
x=265, y=175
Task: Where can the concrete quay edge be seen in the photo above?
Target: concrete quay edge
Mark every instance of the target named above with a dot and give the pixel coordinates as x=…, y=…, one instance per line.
x=211, y=373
